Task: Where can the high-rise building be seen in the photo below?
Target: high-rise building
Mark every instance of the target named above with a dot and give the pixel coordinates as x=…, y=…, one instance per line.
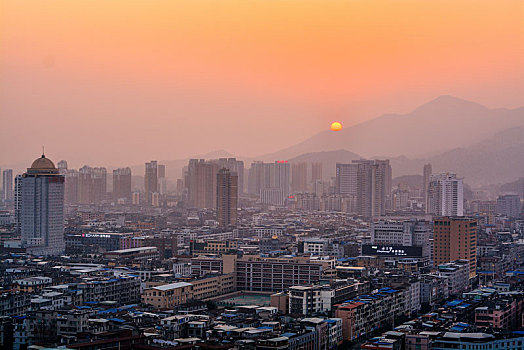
x=426, y=178
x=84, y=184
x=346, y=179
x=7, y=185
x=99, y=186
x=259, y=177
x=71, y=182
x=42, y=209
x=298, y=177
x=234, y=166
x=227, y=197
x=382, y=185
x=269, y=175
x=455, y=238
x=92, y=185
x=71, y=185
x=162, y=181
x=121, y=184
x=369, y=181
x=151, y=180
x=161, y=171
x=272, y=196
x=316, y=171
x=18, y=204
x=446, y=195
x=509, y=205
x=62, y=165
x=280, y=176
x=201, y=183
x=385, y=168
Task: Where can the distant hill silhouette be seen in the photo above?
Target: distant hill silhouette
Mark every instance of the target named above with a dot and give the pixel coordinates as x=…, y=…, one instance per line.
x=439, y=125
x=411, y=180
x=484, y=146
x=497, y=159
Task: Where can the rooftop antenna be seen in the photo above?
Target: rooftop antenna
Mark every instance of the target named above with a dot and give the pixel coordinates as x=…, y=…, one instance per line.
x=43, y=153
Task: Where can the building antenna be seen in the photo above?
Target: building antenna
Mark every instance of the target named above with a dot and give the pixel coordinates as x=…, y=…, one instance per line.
x=43, y=153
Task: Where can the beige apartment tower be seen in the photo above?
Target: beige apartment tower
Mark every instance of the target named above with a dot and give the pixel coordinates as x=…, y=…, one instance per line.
x=227, y=197
x=455, y=238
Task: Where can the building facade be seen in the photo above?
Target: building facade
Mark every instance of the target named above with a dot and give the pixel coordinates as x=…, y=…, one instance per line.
x=455, y=238
x=446, y=195
x=42, y=209
x=227, y=198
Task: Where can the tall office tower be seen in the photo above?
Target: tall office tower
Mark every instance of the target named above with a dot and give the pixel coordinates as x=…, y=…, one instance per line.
x=162, y=181
x=455, y=238
x=227, y=197
x=509, y=205
x=121, y=184
x=426, y=178
x=280, y=176
x=151, y=180
x=234, y=166
x=446, y=195
x=201, y=183
x=298, y=177
x=316, y=171
x=18, y=204
x=7, y=185
x=369, y=181
x=42, y=209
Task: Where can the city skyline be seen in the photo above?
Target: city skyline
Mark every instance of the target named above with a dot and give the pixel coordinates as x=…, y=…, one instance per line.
x=262, y=174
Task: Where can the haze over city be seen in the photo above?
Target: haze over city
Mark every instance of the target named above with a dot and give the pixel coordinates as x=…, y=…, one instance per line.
x=261, y=175
x=179, y=79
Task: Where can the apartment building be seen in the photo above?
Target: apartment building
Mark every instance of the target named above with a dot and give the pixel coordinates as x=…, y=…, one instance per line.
x=167, y=296
x=367, y=312
x=309, y=300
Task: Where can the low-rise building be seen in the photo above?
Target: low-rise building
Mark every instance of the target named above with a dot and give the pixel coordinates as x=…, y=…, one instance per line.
x=167, y=296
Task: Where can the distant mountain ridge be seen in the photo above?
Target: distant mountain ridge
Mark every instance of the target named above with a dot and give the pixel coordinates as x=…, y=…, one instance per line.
x=439, y=125
x=485, y=146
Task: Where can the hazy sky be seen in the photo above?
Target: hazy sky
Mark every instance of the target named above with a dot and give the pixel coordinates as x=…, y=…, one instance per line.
x=110, y=82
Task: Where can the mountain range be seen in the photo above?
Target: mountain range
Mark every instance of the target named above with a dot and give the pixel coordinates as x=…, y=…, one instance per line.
x=440, y=125
x=485, y=146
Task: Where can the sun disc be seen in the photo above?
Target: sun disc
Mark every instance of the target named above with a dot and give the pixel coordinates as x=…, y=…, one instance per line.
x=336, y=126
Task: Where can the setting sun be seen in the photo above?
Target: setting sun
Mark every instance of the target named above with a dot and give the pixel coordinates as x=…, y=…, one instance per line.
x=336, y=126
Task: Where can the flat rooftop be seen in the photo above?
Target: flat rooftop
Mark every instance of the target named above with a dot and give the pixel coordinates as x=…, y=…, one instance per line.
x=172, y=286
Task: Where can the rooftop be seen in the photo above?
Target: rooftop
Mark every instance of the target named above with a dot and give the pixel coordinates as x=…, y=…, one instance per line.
x=172, y=286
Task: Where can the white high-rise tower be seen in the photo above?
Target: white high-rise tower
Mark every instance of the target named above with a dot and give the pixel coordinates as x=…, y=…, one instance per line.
x=41, y=209
x=446, y=195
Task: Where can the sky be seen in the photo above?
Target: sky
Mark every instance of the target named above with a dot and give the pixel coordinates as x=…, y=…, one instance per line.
x=119, y=82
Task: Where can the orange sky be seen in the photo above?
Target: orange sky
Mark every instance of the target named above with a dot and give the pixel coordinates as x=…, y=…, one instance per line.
x=111, y=82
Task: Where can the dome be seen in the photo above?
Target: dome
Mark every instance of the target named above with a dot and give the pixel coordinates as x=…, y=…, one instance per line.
x=43, y=163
